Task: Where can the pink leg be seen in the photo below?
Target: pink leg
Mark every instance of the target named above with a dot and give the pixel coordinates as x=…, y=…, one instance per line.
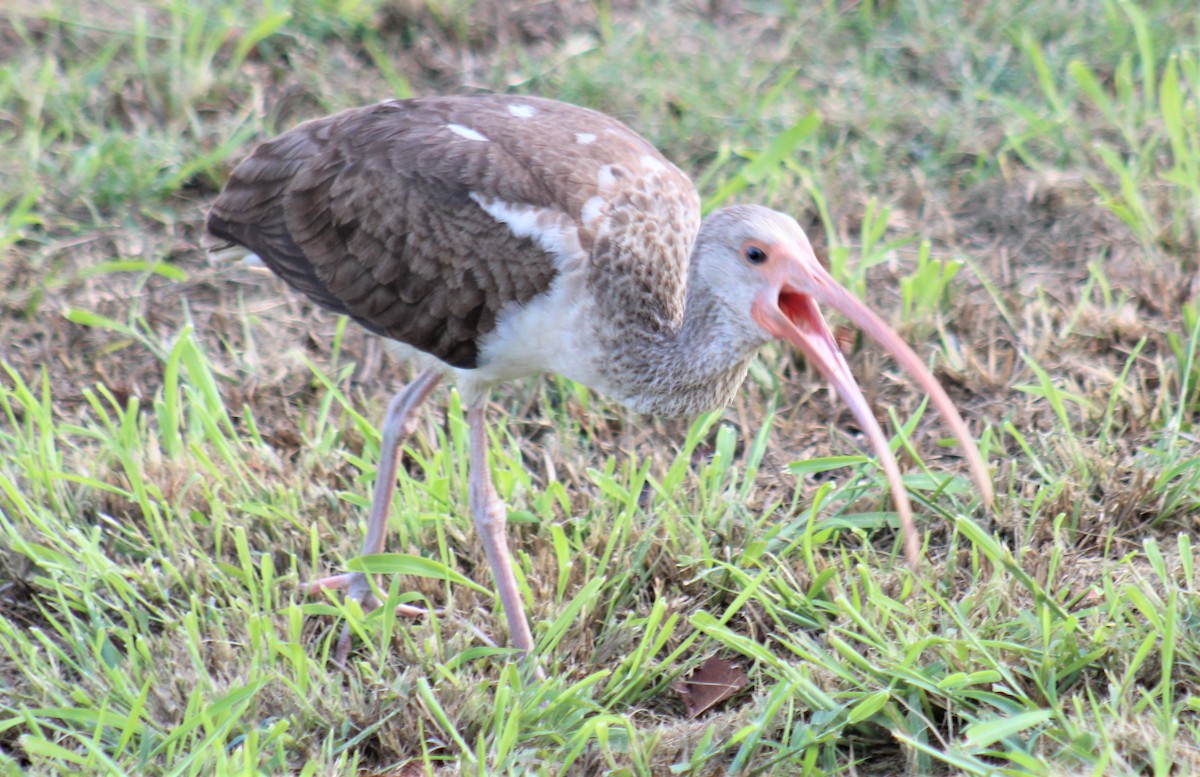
x=490, y=519
x=397, y=424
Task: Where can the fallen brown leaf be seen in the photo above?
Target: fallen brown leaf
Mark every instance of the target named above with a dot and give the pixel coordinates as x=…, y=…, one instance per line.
x=709, y=684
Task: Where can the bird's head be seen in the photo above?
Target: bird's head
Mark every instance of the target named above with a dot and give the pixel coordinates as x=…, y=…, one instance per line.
x=760, y=262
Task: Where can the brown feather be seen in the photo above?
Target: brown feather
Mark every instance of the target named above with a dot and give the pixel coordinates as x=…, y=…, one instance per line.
x=370, y=213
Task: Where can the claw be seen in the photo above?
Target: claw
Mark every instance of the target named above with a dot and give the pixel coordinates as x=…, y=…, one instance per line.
x=358, y=588
x=397, y=425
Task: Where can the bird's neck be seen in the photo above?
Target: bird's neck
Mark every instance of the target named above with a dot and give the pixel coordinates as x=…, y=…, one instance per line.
x=682, y=367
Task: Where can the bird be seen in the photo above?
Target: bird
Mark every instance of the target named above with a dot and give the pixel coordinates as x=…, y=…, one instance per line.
x=493, y=237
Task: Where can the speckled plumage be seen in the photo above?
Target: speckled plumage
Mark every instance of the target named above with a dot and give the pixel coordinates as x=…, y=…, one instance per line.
x=376, y=213
x=508, y=236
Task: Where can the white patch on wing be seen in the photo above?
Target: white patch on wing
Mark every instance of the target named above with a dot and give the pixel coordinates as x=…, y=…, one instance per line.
x=466, y=132
x=554, y=231
x=592, y=210
x=552, y=332
x=521, y=111
x=605, y=178
x=230, y=253
x=652, y=163
x=584, y=138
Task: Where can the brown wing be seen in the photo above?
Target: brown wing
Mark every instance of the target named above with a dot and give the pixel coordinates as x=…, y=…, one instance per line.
x=374, y=212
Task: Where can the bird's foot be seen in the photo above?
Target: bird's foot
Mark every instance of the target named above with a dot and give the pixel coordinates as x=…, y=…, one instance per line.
x=358, y=588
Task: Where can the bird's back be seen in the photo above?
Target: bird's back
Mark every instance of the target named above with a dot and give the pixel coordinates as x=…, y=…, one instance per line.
x=426, y=219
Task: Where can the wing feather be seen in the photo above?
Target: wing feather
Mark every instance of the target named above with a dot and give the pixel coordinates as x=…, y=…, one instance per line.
x=372, y=212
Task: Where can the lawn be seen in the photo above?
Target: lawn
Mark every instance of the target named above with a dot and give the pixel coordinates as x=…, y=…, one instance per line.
x=1013, y=185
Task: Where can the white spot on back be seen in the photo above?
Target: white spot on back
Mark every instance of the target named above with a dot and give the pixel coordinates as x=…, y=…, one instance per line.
x=521, y=111
x=465, y=132
x=592, y=209
x=605, y=178
x=583, y=138
x=652, y=163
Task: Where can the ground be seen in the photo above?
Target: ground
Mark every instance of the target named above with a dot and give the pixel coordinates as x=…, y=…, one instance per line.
x=1015, y=186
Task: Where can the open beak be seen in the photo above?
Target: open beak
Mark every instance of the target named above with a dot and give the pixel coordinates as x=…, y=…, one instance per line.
x=787, y=309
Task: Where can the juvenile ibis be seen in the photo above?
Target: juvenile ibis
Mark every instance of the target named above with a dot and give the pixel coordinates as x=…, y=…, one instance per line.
x=497, y=237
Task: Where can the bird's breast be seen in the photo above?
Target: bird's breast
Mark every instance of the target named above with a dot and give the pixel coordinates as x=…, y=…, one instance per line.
x=555, y=331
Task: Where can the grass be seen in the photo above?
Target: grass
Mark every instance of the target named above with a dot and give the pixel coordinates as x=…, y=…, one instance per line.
x=1014, y=185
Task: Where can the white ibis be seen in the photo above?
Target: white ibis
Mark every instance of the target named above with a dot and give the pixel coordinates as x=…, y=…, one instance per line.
x=500, y=236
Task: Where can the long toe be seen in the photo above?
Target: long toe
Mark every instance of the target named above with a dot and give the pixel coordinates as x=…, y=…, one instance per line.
x=356, y=585
x=334, y=583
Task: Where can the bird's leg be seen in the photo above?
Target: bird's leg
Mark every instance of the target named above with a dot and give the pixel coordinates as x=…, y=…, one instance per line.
x=397, y=424
x=491, y=518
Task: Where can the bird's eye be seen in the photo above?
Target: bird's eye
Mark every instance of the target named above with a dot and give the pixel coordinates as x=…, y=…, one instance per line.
x=754, y=255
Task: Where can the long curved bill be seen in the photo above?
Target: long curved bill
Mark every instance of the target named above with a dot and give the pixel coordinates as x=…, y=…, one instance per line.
x=788, y=310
